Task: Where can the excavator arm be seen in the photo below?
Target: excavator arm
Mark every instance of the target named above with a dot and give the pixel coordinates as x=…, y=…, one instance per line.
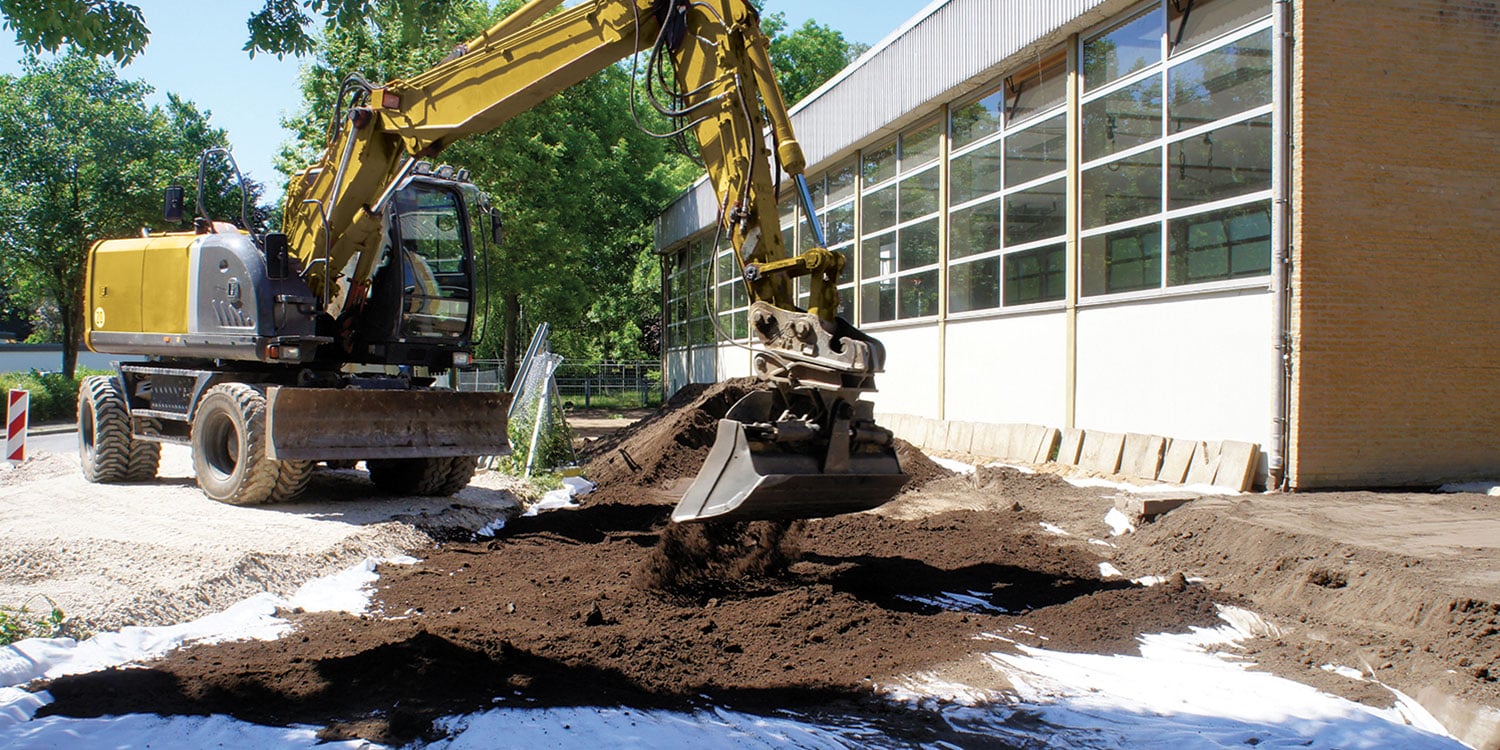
x=810, y=446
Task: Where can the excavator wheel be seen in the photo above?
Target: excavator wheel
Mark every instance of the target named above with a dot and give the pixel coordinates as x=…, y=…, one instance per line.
x=145, y=457
x=104, y=444
x=291, y=479
x=229, y=448
x=460, y=472
x=437, y=477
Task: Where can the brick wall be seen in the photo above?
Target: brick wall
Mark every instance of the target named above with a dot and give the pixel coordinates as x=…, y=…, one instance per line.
x=1396, y=275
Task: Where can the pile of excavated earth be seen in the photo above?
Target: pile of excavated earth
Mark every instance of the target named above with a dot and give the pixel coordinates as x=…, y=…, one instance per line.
x=609, y=605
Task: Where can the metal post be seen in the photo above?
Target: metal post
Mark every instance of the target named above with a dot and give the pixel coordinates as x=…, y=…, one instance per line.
x=542, y=412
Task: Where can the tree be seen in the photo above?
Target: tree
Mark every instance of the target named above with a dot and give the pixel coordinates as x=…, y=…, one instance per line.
x=575, y=179
x=100, y=28
x=83, y=158
x=807, y=57
x=117, y=29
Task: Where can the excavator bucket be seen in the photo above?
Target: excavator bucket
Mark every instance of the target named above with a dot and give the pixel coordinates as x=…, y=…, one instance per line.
x=745, y=479
x=353, y=424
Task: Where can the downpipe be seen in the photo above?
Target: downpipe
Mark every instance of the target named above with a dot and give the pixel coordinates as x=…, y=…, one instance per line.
x=1281, y=217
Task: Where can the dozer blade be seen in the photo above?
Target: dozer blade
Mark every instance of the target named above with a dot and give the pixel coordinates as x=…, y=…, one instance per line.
x=737, y=483
x=352, y=424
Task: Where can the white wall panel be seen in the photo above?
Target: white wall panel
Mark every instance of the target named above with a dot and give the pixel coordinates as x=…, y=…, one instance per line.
x=705, y=364
x=1190, y=368
x=909, y=384
x=734, y=362
x=677, y=364
x=1008, y=370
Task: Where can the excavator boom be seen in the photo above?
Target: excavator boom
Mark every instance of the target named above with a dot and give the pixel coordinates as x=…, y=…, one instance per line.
x=810, y=447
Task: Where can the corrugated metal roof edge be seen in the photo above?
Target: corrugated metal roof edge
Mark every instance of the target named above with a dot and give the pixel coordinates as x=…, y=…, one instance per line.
x=870, y=54
x=848, y=70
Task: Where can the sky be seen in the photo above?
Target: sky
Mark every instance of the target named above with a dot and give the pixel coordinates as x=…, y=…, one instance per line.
x=196, y=51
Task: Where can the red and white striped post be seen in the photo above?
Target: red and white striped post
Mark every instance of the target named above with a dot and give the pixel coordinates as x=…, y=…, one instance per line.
x=15, y=426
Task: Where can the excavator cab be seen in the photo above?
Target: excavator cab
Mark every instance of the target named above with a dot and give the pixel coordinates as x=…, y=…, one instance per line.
x=417, y=307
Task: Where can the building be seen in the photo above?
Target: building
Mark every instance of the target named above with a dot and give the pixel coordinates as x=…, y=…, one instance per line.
x=1267, y=222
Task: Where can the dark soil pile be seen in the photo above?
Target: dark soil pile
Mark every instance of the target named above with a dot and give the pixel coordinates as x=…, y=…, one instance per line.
x=668, y=445
x=699, y=558
x=918, y=466
x=607, y=605
x=555, y=613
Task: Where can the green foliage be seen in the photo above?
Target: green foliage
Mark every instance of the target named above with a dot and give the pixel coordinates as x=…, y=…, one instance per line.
x=100, y=28
x=54, y=396
x=116, y=29
x=554, y=447
x=808, y=56
x=20, y=623
x=82, y=158
x=575, y=179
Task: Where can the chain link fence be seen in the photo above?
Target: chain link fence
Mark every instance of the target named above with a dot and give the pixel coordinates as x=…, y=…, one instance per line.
x=583, y=385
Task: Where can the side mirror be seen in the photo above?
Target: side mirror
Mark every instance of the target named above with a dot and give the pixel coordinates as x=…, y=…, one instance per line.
x=172, y=204
x=497, y=226
x=278, y=260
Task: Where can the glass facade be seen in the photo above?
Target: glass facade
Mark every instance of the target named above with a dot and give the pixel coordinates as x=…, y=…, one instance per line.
x=1176, y=149
x=966, y=211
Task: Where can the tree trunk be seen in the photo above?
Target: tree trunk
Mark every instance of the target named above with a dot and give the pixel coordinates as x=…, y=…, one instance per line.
x=72, y=327
x=512, y=318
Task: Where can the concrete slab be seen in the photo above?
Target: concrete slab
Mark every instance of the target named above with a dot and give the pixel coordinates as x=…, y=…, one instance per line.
x=1175, y=462
x=960, y=436
x=1150, y=506
x=1023, y=440
x=983, y=441
x=1046, y=445
x=1140, y=456
x=934, y=434
x=1101, y=451
x=1237, y=464
x=1069, y=446
x=1204, y=464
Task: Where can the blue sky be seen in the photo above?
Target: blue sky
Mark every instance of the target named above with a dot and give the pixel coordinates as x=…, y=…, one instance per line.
x=195, y=52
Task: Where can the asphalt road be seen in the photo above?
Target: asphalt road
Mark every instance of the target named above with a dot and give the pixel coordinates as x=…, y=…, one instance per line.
x=56, y=442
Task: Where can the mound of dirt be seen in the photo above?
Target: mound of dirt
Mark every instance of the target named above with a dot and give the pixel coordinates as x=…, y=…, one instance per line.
x=665, y=446
x=719, y=557
x=671, y=445
x=918, y=466
x=558, y=612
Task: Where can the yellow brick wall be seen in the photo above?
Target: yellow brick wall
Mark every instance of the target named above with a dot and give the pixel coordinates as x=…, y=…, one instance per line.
x=1396, y=275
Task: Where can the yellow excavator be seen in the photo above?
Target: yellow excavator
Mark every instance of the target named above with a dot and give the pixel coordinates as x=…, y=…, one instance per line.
x=325, y=342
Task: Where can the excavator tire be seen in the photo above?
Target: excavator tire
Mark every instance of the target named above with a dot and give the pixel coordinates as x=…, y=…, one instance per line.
x=291, y=480
x=145, y=457
x=104, y=444
x=460, y=471
x=436, y=477
x=229, y=446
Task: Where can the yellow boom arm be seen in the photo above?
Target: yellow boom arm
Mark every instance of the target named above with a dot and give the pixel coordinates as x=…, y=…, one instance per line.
x=721, y=59
x=810, y=448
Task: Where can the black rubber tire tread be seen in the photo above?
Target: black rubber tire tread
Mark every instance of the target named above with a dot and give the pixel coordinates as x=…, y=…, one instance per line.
x=103, y=413
x=291, y=480
x=254, y=485
x=459, y=471
x=427, y=477
x=145, y=458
